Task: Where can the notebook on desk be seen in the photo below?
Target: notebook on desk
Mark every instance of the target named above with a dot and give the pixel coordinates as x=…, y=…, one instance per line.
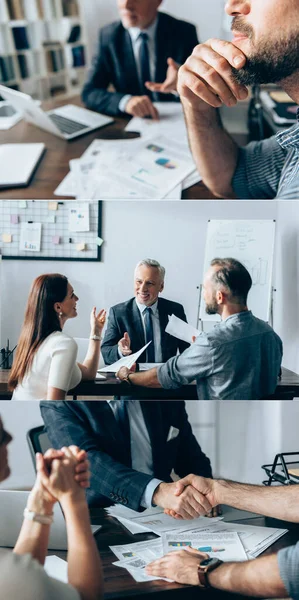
x=18, y=163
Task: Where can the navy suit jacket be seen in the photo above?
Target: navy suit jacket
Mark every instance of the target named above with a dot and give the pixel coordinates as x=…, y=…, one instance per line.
x=93, y=427
x=115, y=62
x=126, y=317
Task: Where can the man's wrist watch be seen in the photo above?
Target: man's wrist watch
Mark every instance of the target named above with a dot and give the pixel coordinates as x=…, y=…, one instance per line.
x=204, y=568
x=127, y=379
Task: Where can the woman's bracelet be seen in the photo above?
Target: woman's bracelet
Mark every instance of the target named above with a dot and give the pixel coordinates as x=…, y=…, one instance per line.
x=33, y=516
x=97, y=338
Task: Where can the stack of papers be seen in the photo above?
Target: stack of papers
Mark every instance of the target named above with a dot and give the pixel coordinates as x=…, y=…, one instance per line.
x=154, y=520
x=153, y=166
x=227, y=541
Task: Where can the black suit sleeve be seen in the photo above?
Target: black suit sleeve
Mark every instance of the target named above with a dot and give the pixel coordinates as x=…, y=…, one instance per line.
x=109, y=478
x=112, y=336
x=190, y=457
x=95, y=94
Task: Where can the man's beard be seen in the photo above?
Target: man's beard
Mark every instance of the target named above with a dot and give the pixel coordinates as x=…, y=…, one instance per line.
x=212, y=308
x=271, y=61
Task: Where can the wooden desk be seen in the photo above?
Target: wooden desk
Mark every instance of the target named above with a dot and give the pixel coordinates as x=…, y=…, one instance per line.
x=55, y=163
x=118, y=582
x=287, y=389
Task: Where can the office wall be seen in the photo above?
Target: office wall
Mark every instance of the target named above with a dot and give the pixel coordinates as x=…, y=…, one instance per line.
x=238, y=436
x=131, y=231
x=208, y=16
x=287, y=281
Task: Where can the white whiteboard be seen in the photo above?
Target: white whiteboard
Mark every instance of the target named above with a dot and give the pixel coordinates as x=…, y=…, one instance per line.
x=252, y=243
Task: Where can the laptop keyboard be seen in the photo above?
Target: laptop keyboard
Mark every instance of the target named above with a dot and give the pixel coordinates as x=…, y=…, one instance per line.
x=66, y=125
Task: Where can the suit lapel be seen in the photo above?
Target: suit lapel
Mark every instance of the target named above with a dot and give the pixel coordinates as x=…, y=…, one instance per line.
x=163, y=320
x=115, y=431
x=163, y=51
x=153, y=421
x=138, y=327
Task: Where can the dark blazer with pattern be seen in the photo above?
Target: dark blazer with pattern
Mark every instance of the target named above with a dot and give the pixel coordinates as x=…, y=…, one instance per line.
x=115, y=62
x=126, y=317
x=93, y=427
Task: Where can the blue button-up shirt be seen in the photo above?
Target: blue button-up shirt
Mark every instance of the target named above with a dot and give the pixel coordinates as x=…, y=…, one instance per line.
x=238, y=360
x=270, y=168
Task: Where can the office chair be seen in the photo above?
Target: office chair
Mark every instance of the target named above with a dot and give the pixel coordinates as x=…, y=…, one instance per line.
x=38, y=441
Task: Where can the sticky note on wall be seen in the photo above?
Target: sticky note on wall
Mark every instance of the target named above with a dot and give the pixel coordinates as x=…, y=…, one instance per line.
x=14, y=219
x=56, y=239
x=81, y=246
x=7, y=238
x=52, y=205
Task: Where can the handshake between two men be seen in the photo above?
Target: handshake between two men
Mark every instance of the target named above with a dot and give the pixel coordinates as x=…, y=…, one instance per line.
x=182, y=500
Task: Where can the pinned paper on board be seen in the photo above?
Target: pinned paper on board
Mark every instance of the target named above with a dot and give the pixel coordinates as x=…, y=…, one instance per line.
x=79, y=217
x=30, y=237
x=99, y=241
x=22, y=204
x=6, y=238
x=56, y=239
x=81, y=246
x=52, y=205
x=14, y=219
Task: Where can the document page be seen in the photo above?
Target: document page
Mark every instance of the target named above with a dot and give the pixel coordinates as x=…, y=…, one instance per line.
x=126, y=361
x=56, y=567
x=180, y=329
x=224, y=545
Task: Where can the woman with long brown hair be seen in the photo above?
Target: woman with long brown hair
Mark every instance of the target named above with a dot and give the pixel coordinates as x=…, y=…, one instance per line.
x=45, y=366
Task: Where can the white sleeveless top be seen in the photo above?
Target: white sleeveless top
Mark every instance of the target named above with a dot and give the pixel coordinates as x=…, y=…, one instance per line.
x=23, y=577
x=54, y=365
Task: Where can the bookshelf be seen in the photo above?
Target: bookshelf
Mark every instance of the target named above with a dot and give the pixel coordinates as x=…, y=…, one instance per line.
x=43, y=49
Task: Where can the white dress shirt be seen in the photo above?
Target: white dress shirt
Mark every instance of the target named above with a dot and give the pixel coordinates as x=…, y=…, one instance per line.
x=141, y=448
x=156, y=329
x=136, y=44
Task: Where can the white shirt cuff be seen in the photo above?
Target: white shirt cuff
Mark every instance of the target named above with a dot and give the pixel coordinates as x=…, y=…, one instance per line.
x=146, y=500
x=123, y=103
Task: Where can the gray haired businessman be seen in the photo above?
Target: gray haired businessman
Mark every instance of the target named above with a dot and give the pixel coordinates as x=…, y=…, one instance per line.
x=239, y=359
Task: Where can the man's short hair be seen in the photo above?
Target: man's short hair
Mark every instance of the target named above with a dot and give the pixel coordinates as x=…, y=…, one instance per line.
x=150, y=262
x=233, y=276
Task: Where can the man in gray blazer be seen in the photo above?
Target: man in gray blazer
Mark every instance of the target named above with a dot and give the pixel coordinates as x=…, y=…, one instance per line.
x=133, y=323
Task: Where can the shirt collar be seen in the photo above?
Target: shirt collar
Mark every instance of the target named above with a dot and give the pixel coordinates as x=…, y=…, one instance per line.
x=289, y=138
x=142, y=307
x=151, y=31
x=240, y=315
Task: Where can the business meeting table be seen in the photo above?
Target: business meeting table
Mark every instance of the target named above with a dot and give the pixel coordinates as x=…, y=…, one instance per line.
x=54, y=164
x=287, y=389
x=118, y=582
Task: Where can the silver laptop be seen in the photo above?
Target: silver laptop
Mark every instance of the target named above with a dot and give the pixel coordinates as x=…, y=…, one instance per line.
x=12, y=504
x=67, y=122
